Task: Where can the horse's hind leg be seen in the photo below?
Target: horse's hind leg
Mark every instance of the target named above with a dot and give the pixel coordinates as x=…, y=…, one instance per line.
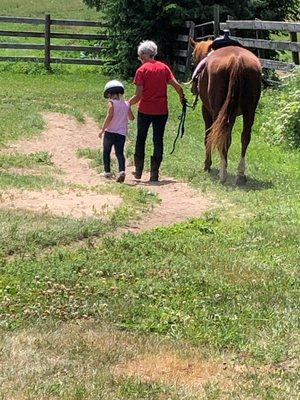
x=208, y=123
x=245, y=139
x=224, y=152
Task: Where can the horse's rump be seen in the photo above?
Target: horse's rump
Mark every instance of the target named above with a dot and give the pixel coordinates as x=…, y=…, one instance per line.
x=233, y=87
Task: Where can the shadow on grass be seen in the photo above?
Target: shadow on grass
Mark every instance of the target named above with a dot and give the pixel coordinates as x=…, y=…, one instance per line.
x=163, y=182
x=252, y=184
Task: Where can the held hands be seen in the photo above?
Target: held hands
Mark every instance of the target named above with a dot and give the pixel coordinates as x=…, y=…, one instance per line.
x=101, y=133
x=182, y=99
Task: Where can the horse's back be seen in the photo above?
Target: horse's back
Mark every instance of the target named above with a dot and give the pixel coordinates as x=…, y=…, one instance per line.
x=223, y=59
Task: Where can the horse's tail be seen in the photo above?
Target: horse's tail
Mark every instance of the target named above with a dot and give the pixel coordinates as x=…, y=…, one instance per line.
x=220, y=131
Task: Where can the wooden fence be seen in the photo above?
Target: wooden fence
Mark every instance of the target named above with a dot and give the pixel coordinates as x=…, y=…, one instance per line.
x=259, y=45
x=183, y=51
x=48, y=34
x=262, y=46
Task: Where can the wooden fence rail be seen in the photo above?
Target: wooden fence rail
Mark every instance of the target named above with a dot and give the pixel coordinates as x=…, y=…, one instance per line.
x=258, y=25
x=47, y=34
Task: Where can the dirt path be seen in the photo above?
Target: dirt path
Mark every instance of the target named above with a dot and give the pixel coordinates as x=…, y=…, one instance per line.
x=178, y=202
x=62, y=138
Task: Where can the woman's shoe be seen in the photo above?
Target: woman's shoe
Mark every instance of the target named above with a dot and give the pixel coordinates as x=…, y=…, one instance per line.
x=137, y=176
x=139, y=166
x=154, y=172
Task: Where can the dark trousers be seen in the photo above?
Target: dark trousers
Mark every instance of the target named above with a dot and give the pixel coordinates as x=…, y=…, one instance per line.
x=143, y=123
x=118, y=141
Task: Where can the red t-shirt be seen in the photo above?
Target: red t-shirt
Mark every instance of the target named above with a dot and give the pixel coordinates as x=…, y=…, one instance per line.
x=154, y=77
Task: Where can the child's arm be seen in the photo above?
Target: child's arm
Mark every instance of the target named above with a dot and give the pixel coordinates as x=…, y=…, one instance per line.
x=108, y=118
x=130, y=114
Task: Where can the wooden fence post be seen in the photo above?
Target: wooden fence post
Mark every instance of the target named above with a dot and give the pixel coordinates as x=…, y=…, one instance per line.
x=190, y=48
x=295, y=55
x=260, y=35
x=232, y=32
x=47, y=57
x=216, y=20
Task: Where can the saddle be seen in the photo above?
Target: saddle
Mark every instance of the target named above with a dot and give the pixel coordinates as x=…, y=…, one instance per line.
x=224, y=41
x=218, y=43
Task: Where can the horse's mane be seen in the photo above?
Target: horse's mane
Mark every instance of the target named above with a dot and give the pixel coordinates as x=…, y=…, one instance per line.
x=201, y=49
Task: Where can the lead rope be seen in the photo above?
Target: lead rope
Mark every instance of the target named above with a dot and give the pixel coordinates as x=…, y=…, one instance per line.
x=181, y=127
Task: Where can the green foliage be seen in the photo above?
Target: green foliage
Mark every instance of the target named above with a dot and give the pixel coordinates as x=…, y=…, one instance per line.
x=283, y=120
x=134, y=21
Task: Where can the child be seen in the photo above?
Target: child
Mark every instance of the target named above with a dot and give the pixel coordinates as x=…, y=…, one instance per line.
x=115, y=127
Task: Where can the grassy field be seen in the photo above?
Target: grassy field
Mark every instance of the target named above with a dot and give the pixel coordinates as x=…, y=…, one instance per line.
x=65, y=9
x=74, y=9
x=224, y=286
x=217, y=294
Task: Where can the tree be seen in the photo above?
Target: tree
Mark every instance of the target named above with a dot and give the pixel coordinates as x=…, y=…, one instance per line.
x=131, y=21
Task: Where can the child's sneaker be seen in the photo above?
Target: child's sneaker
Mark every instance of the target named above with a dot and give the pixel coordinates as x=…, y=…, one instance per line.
x=121, y=177
x=107, y=175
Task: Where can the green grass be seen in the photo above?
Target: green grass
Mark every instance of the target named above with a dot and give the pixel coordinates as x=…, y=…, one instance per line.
x=33, y=232
x=95, y=157
x=27, y=181
x=65, y=9
x=224, y=287
x=25, y=160
x=226, y=283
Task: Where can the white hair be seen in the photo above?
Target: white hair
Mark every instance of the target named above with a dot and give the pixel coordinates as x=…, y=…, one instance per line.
x=148, y=48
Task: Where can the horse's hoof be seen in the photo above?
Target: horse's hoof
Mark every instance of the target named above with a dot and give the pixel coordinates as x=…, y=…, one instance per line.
x=241, y=180
x=207, y=169
x=223, y=177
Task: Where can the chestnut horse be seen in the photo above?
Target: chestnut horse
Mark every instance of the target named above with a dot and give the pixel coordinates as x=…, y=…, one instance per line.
x=229, y=85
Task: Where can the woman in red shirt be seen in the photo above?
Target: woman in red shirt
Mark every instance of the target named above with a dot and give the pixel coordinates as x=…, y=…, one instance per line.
x=151, y=80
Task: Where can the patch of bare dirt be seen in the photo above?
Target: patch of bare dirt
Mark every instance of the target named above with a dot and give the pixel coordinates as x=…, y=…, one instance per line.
x=170, y=369
x=178, y=202
x=74, y=203
x=62, y=138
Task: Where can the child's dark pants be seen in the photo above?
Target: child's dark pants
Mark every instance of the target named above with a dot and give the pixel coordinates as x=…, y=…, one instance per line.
x=118, y=141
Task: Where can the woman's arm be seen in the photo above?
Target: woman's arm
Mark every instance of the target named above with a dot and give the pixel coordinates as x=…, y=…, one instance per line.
x=173, y=82
x=138, y=95
x=108, y=118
